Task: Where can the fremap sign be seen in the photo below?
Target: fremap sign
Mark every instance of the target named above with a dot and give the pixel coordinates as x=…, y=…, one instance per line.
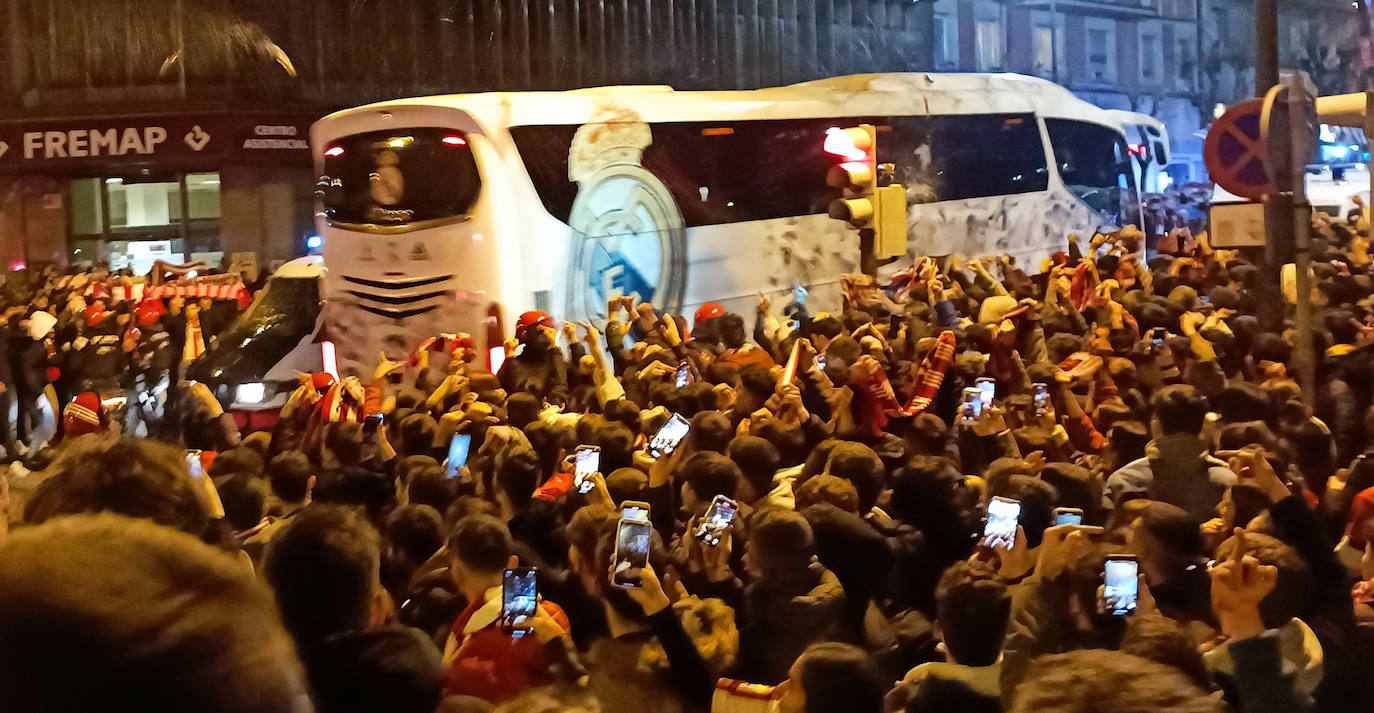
x=183, y=142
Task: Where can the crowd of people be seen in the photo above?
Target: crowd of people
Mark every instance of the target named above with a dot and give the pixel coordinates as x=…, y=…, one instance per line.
x=1094, y=488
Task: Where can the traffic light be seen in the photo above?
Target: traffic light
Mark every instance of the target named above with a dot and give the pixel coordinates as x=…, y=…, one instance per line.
x=870, y=200
x=856, y=176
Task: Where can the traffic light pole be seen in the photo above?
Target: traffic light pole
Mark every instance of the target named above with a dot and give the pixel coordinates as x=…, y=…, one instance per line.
x=868, y=257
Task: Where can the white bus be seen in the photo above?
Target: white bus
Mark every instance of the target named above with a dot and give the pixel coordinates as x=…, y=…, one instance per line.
x=456, y=213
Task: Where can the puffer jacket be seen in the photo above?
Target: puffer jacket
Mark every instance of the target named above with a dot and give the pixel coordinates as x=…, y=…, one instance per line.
x=784, y=614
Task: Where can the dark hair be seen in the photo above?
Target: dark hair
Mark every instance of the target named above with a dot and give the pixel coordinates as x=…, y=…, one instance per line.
x=518, y=476
x=549, y=443
x=781, y=540
x=394, y=669
x=840, y=677
x=133, y=477
x=757, y=381
x=973, y=607
x=244, y=497
x=290, y=472
x=237, y=460
x=1037, y=499
x=1163, y=640
x=617, y=446
x=1076, y=487
x=430, y=485
x=127, y=603
x=828, y=489
x=788, y=440
x=627, y=484
x=1175, y=531
x=417, y=434
x=522, y=409
x=324, y=566
x=861, y=466
x=1091, y=680
x=711, y=431
x=758, y=462
x=1242, y=402
x=407, y=465
x=416, y=530
x=710, y=474
x=345, y=441
x=482, y=543
x=1180, y=409
x=359, y=487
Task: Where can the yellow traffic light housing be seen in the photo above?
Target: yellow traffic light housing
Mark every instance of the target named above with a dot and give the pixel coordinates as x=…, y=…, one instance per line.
x=868, y=201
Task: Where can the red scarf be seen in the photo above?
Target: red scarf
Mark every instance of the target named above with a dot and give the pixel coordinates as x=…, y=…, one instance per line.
x=931, y=374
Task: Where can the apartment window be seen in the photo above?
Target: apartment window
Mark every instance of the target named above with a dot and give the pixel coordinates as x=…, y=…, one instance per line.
x=989, y=48
x=1045, y=47
x=1185, y=63
x=946, y=41
x=1151, y=64
x=1101, y=50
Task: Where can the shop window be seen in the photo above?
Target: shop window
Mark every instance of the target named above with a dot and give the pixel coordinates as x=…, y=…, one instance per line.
x=132, y=208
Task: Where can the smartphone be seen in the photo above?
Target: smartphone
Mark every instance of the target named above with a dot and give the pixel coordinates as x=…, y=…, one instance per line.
x=683, y=375
x=635, y=510
x=973, y=403
x=988, y=388
x=458, y=449
x=1040, y=397
x=669, y=437
x=631, y=552
x=586, y=461
x=1068, y=516
x=1120, y=584
x=1000, y=530
x=718, y=517
x=519, y=600
x=194, y=464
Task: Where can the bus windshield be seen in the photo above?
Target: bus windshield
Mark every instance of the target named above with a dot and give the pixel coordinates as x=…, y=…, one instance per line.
x=398, y=177
x=1095, y=165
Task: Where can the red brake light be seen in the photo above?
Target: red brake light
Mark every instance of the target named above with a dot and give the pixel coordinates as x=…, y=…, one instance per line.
x=1137, y=149
x=454, y=140
x=333, y=151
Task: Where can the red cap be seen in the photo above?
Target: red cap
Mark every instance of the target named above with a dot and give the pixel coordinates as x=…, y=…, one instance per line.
x=707, y=312
x=83, y=415
x=532, y=318
x=322, y=380
x=149, y=311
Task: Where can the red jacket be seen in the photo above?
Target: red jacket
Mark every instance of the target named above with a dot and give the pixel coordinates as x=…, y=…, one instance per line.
x=491, y=664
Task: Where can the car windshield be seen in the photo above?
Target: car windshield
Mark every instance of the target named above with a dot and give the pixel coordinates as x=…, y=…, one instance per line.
x=266, y=333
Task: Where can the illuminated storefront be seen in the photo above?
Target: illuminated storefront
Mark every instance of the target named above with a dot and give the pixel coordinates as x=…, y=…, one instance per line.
x=129, y=190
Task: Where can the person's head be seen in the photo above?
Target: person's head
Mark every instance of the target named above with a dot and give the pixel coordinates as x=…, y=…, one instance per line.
x=1037, y=499
x=343, y=445
x=244, y=497
x=237, y=460
x=1292, y=596
x=859, y=465
x=430, y=485
x=417, y=434
x=1126, y=442
x=324, y=566
x=522, y=409
x=417, y=531
x=925, y=494
x=627, y=484
x=617, y=446
x=706, y=475
x=730, y=328
x=1076, y=487
x=398, y=671
x=550, y=442
x=1180, y=408
x=1096, y=680
x=517, y=477
x=828, y=489
x=1165, y=538
x=479, y=548
x=710, y=431
x=780, y=541
x=291, y=477
x=536, y=331
x=126, y=476
x=1163, y=640
x=758, y=462
x=830, y=677
x=787, y=439
x=144, y=617
x=973, y=608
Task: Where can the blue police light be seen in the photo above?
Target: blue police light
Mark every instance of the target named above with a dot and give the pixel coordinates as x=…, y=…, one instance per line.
x=314, y=242
x=1338, y=151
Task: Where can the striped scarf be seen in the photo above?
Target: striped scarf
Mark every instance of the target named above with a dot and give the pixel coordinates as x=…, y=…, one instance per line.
x=931, y=374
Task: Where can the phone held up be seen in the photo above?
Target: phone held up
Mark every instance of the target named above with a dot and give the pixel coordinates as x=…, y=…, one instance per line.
x=973, y=403
x=631, y=545
x=1068, y=516
x=586, y=460
x=1000, y=530
x=1120, y=585
x=458, y=450
x=717, y=520
x=519, y=600
x=669, y=437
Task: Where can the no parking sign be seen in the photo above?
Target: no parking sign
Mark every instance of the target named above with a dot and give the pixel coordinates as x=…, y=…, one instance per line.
x=1234, y=151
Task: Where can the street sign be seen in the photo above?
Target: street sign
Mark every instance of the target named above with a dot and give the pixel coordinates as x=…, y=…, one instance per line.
x=1234, y=151
x=1288, y=127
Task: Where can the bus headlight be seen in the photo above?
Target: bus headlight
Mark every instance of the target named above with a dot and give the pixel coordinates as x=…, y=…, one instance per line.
x=250, y=393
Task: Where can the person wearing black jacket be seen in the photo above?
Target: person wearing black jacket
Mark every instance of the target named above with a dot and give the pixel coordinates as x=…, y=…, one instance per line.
x=539, y=367
x=7, y=394
x=30, y=372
